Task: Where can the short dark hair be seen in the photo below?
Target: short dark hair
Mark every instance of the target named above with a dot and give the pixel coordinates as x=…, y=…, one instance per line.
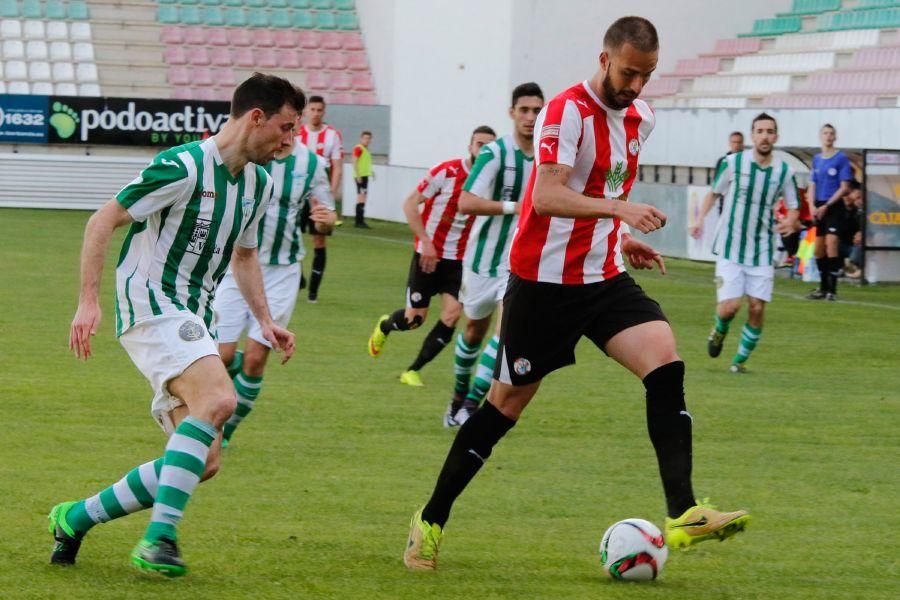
x=763, y=117
x=854, y=184
x=268, y=93
x=316, y=100
x=732, y=134
x=637, y=31
x=526, y=89
x=829, y=126
x=482, y=129
x=366, y=132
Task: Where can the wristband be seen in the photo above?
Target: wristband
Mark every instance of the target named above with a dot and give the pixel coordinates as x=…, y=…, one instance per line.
x=509, y=207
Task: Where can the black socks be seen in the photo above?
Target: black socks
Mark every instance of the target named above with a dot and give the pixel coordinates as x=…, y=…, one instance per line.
x=318, y=270
x=439, y=336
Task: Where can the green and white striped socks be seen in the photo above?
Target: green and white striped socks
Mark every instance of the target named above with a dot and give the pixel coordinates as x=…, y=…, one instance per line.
x=749, y=339
x=131, y=494
x=722, y=325
x=183, y=466
x=464, y=359
x=247, y=389
x=485, y=373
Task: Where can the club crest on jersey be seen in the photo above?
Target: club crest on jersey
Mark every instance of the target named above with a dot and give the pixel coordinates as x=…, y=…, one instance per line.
x=522, y=366
x=199, y=236
x=191, y=331
x=634, y=147
x=616, y=177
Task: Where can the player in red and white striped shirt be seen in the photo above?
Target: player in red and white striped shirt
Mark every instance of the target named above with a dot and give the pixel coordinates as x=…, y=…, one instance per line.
x=442, y=232
x=568, y=281
x=326, y=141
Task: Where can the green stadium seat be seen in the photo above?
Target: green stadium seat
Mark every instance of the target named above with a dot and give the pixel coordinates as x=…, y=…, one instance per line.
x=282, y=19
x=303, y=19
x=257, y=17
x=211, y=2
x=256, y=3
x=213, y=16
x=300, y=3
x=168, y=15
x=78, y=10
x=9, y=8
x=278, y=4
x=325, y=20
x=347, y=21
x=55, y=9
x=32, y=9
x=878, y=4
x=322, y=4
x=188, y=2
x=812, y=7
x=233, y=2
x=190, y=15
x=167, y=1
x=776, y=26
x=235, y=17
x=344, y=4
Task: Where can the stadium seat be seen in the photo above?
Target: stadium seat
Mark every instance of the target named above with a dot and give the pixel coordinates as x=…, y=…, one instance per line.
x=89, y=89
x=665, y=86
x=211, y=2
x=54, y=9
x=13, y=49
x=213, y=16
x=18, y=87
x=877, y=3
x=10, y=29
x=198, y=57
x=326, y=21
x=826, y=40
x=57, y=30
x=224, y=77
x=784, y=63
x=347, y=21
x=189, y=1
x=178, y=76
x=202, y=76
x=285, y=39
x=357, y=61
x=352, y=40
x=322, y=4
x=204, y=94
x=236, y=17
x=86, y=73
x=217, y=36
x=697, y=66
x=240, y=37
x=368, y=99
x=224, y=94
x=278, y=4
x=42, y=88
x=331, y=40
x=182, y=93
x=16, y=70
x=172, y=34
x=877, y=58
x=340, y=98
x=39, y=70
x=175, y=55
x=31, y=9
x=80, y=32
x=9, y=8
x=281, y=19
x=335, y=61
x=34, y=30
x=300, y=3
x=288, y=59
x=317, y=80
x=264, y=38
x=735, y=47
x=257, y=17
x=343, y=82
x=60, y=51
x=195, y=36
x=812, y=7
x=776, y=26
x=303, y=19
x=36, y=50
x=243, y=57
x=256, y=3
x=265, y=58
x=821, y=101
x=65, y=88
x=311, y=60
x=344, y=4
x=221, y=57
x=167, y=1
x=63, y=71
x=233, y=2
x=190, y=15
x=78, y=10
x=309, y=40
x=167, y=14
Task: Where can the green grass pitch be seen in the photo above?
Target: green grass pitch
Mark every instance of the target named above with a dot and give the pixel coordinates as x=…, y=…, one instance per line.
x=314, y=497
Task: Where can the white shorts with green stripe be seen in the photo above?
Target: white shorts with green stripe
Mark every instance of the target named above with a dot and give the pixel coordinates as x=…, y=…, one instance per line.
x=735, y=280
x=233, y=316
x=162, y=349
x=480, y=295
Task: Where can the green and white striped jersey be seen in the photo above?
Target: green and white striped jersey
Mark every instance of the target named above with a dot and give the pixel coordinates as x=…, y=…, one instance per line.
x=745, y=232
x=295, y=178
x=500, y=173
x=189, y=212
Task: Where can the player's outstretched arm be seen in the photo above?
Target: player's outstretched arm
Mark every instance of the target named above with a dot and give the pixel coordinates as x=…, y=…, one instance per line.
x=696, y=230
x=552, y=197
x=97, y=233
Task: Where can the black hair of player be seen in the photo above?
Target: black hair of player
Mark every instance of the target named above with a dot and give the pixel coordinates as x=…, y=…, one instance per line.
x=366, y=132
x=637, y=31
x=267, y=93
x=482, y=129
x=731, y=135
x=854, y=184
x=764, y=117
x=316, y=100
x=526, y=89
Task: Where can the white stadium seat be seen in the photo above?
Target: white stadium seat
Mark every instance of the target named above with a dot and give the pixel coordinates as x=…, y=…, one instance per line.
x=39, y=70
x=34, y=30
x=13, y=49
x=89, y=89
x=80, y=31
x=83, y=52
x=44, y=88
x=63, y=71
x=16, y=70
x=57, y=30
x=10, y=30
x=66, y=89
x=60, y=51
x=2, y=87
x=784, y=63
x=36, y=50
x=18, y=87
x=86, y=72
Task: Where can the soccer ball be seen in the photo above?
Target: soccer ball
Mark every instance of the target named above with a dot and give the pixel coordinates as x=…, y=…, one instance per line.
x=633, y=550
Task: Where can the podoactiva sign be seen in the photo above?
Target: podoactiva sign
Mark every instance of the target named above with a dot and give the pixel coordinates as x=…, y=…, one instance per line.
x=132, y=122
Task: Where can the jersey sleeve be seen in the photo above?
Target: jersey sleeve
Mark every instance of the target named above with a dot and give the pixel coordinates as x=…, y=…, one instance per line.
x=432, y=183
x=559, y=133
x=790, y=191
x=357, y=151
x=484, y=172
x=337, y=152
x=162, y=183
x=248, y=238
x=846, y=169
x=724, y=175
x=321, y=187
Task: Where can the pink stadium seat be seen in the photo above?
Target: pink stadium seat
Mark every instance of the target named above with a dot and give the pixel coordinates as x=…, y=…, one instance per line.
x=311, y=60
x=243, y=57
x=182, y=93
x=288, y=59
x=174, y=55
x=317, y=80
x=263, y=38
x=202, y=76
x=224, y=94
x=239, y=37
x=204, y=94
x=661, y=87
x=265, y=58
x=172, y=34
x=341, y=98
x=285, y=38
x=358, y=82
x=854, y=82
x=697, y=66
x=331, y=40
x=877, y=58
x=224, y=77
x=178, y=76
x=357, y=61
x=369, y=99
x=220, y=57
x=217, y=36
x=352, y=40
x=736, y=46
x=335, y=61
x=821, y=101
x=341, y=82
x=309, y=39
x=198, y=56
x=195, y=36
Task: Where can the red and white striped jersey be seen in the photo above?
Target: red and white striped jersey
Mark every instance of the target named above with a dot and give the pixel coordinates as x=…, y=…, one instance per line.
x=602, y=146
x=446, y=226
x=326, y=142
